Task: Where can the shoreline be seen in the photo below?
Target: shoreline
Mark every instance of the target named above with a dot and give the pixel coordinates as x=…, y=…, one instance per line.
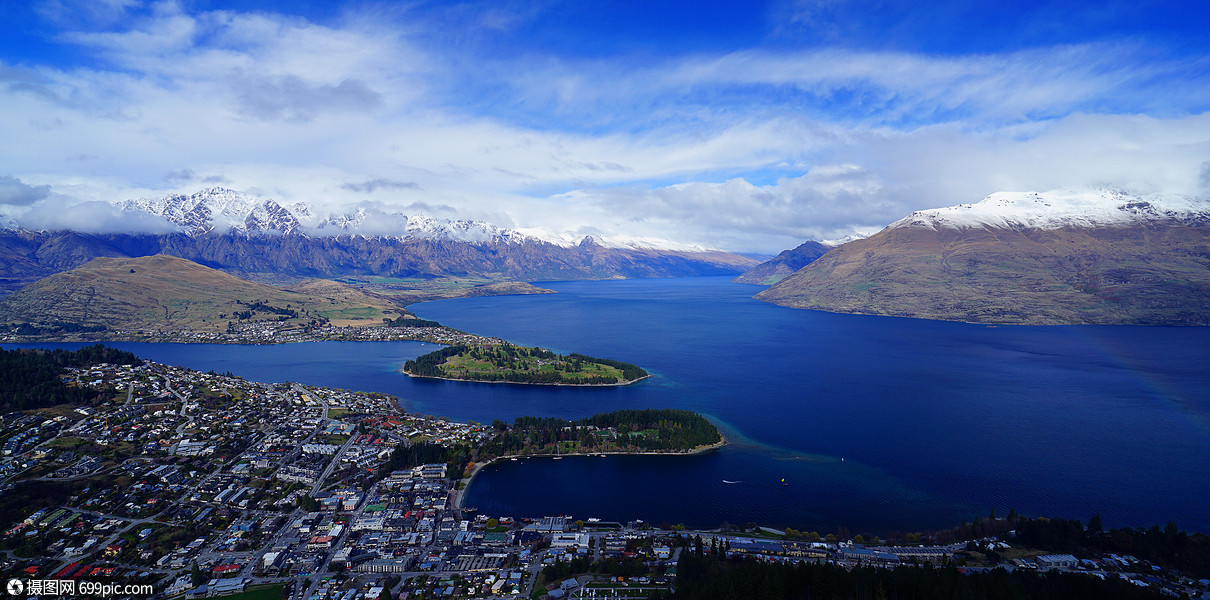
x=622, y=384
x=441, y=336
x=460, y=495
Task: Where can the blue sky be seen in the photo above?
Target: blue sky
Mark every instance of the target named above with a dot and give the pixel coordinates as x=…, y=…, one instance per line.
x=739, y=125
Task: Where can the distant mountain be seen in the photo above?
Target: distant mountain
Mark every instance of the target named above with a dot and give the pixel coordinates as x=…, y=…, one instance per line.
x=783, y=265
x=249, y=236
x=165, y=292
x=218, y=210
x=1027, y=258
x=224, y=211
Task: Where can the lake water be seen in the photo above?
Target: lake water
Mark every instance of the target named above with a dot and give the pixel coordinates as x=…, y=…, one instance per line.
x=876, y=424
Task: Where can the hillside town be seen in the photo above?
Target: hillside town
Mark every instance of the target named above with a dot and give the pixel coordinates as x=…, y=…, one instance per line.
x=205, y=485
x=257, y=332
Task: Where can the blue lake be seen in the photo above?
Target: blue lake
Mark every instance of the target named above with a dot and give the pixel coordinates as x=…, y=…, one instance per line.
x=876, y=424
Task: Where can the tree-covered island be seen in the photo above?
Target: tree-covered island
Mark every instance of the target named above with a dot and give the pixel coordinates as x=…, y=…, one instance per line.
x=520, y=364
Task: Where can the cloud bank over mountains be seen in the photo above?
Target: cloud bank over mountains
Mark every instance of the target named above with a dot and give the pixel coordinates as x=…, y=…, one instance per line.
x=749, y=140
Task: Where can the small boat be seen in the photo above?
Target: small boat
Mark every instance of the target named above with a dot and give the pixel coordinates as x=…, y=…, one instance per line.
x=730, y=482
x=558, y=458
x=513, y=458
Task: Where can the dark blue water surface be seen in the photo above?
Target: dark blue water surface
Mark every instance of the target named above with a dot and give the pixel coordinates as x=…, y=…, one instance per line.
x=875, y=423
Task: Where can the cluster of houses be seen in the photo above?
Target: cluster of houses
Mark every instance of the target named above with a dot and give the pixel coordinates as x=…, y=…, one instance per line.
x=279, y=332
x=229, y=483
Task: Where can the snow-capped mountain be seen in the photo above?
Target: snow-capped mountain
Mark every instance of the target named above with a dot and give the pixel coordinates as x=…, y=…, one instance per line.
x=1059, y=209
x=218, y=210
x=244, y=234
x=221, y=210
x=1060, y=257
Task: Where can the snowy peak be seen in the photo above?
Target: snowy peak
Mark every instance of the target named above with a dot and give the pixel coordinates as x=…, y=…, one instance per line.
x=852, y=237
x=1059, y=209
x=477, y=232
x=218, y=210
x=221, y=210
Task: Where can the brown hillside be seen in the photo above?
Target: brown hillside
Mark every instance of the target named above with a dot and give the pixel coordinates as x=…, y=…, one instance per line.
x=1153, y=274
x=165, y=292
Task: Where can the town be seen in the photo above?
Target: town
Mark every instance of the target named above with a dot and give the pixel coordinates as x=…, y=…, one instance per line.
x=259, y=332
x=207, y=485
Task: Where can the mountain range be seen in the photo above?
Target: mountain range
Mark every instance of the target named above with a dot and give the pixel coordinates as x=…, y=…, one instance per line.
x=257, y=237
x=1057, y=257
x=1062, y=257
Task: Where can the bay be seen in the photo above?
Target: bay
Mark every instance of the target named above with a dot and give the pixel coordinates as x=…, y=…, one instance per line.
x=875, y=424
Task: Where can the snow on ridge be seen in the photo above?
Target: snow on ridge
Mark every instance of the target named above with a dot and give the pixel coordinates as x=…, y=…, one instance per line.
x=844, y=240
x=572, y=240
x=1058, y=209
x=222, y=210
x=217, y=210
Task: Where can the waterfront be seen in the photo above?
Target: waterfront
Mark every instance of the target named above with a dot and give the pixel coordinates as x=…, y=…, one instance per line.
x=935, y=421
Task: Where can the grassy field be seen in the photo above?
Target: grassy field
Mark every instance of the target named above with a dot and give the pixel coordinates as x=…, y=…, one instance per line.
x=467, y=365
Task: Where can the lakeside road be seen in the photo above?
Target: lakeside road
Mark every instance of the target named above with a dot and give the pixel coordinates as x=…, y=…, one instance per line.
x=460, y=495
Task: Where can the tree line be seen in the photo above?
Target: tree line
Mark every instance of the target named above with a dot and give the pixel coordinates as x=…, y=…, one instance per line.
x=33, y=378
x=429, y=365
x=1168, y=547
x=52, y=328
x=629, y=372
x=703, y=574
x=407, y=455
x=686, y=430
x=637, y=430
x=410, y=322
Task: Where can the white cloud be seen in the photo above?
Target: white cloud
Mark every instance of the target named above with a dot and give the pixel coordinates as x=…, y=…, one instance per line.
x=747, y=150
x=58, y=212
x=14, y=192
x=98, y=13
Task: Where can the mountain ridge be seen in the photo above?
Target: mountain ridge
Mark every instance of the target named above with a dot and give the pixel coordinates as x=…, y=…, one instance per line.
x=784, y=264
x=218, y=210
x=1128, y=260
x=259, y=238
x=167, y=292
x=27, y=256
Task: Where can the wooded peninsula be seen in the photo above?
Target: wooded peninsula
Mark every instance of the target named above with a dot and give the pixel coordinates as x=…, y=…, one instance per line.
x=628, y=431
x=520, y=364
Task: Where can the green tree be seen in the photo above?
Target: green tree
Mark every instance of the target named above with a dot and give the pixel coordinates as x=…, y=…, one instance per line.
x=1094, y=523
